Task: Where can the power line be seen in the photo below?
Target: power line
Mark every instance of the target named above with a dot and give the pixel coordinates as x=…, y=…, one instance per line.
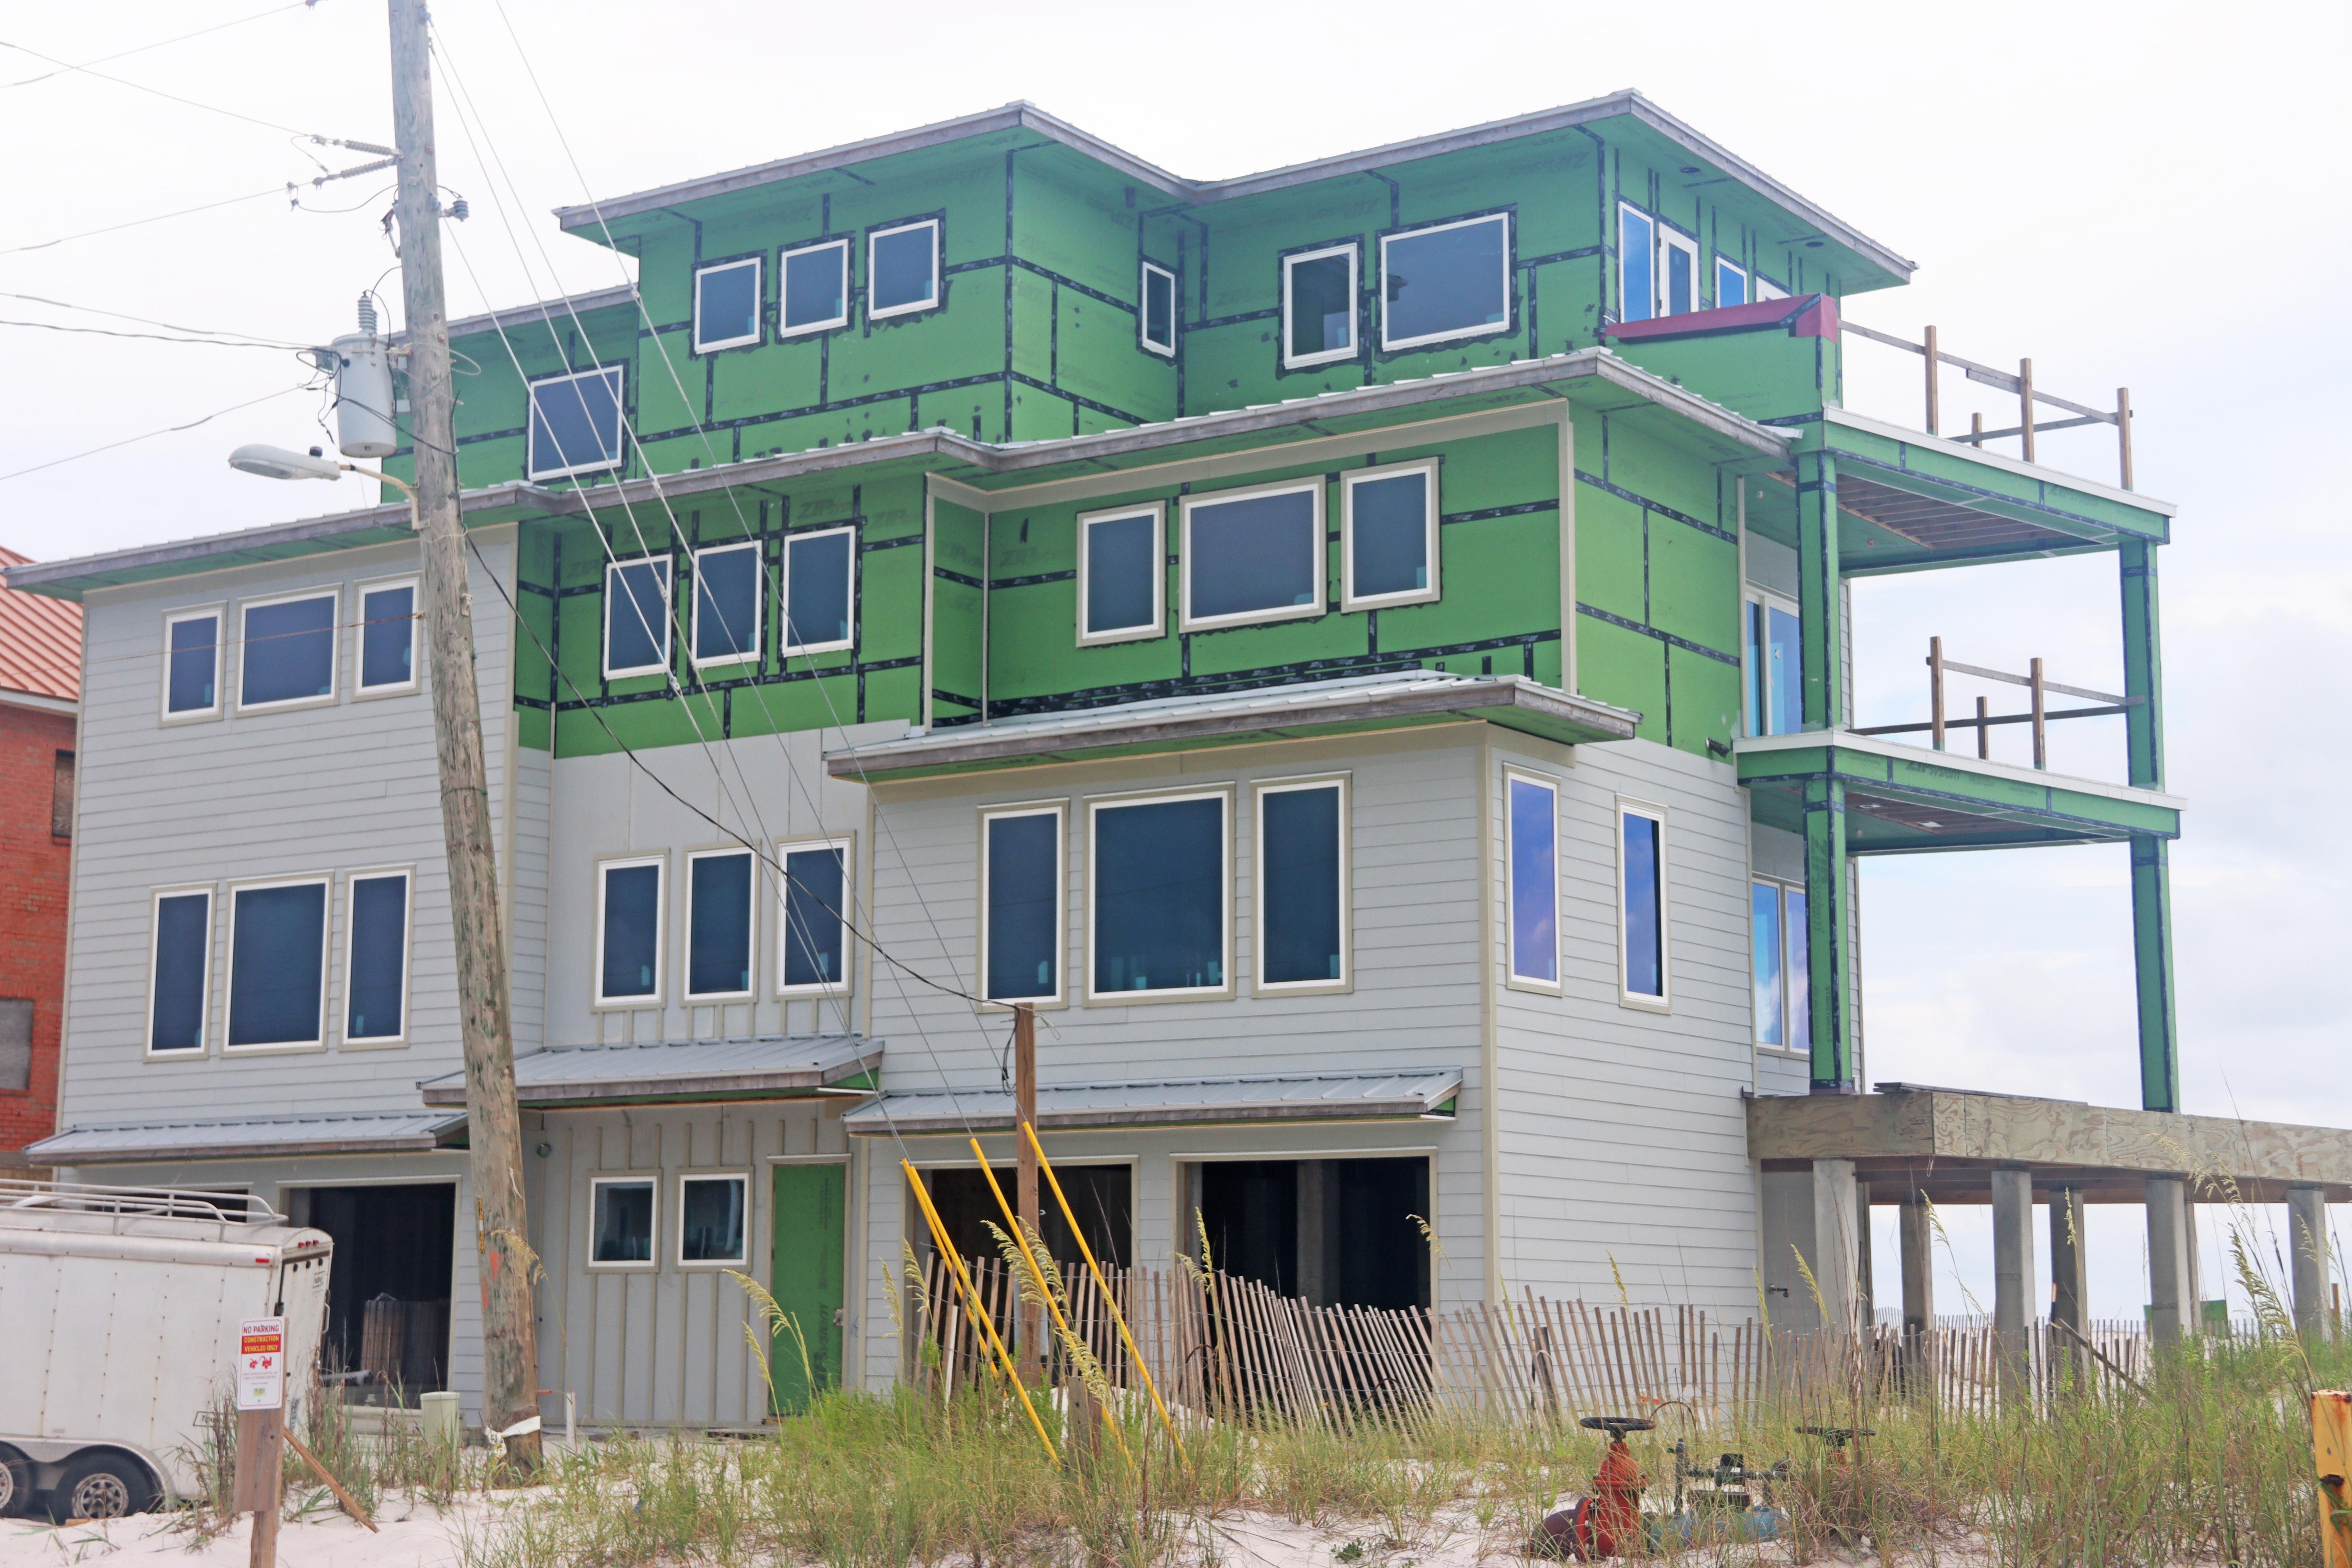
x=136, y=222
x=167, y=430
x=159, y=43
x=159, y=92
x=151, y=337
x=147, y=320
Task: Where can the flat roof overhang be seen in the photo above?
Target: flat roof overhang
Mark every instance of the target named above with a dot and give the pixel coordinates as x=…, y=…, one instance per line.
x=125, y=1143
x=1909, y=800
x=1412, y=1094
x=672, y=1072
x=1947, y=1142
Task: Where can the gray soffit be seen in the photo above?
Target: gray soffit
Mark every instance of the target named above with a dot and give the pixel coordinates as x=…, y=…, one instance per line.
x=397, y=1132
x=1416, y=1093
x=588, y=1076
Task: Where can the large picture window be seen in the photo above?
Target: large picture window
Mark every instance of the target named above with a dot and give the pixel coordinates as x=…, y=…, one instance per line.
x=815, y=293
x=180, y=973
x=727, y=305
x=575, y=424
x=812, y=951
x=277, y=963
x=289, y=652
x=1318, y=306
x=192, y=665
x=375, y=960
x=718, y=924
x=1121, y=583
x=1021, y=879
x=1776, y=936
x=819, y=591
x=1449, y=280
x=629, y=931
x=727, y=605
x=387, y=638
x=1253, y=555
x=1532, y=832
x=636, y=617
x=1642, y=903
x=1302, y=885
x=1389, y=536
x=1159, y=896
x=902, y=268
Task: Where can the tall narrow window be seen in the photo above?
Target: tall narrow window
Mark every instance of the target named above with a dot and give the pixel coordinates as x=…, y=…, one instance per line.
x=902, y=266
x=727, y=305
x=727, y=605
x=718, y=924
x=388, y=638
x=289, y=652
x=1776, y=698
x=621, y=1221
x=375, y=966
x=1731, y=283
x=1121, y=583
x=1302, y=884
x=61, y=796
x=1253, y=555
x=1160, y=885
x=636, y=617
x=575, y=424
x=629, y=931
x=1449, y=280
x=1389, y=536
x=1795, y=940
x=812, y=947
x=15, y=1043
x=1637, y=265
x=192, y=665
x=1641, y=904
x=1318, y=306
x=1533, y=819
x=1021, y=879
x=1764, y=934
x=1156, y=321
x=818, y=590
x=815, y=293
x=1677, y=273
x=277, y=963
x=711, y=1226
x=178, y=989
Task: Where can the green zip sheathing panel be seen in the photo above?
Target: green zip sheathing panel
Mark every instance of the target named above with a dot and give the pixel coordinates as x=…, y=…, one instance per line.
x=1903, y=805
x=958, y=670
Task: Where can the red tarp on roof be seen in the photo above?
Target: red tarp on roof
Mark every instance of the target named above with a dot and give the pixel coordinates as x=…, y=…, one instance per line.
x=40, y=641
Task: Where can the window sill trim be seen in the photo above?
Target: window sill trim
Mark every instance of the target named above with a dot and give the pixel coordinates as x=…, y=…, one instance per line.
x=638, y=673
x=1641, y=1003
x=622, y=1267
x=1304, y=988
x=1157, y=630
x=193, y=1054
x=1146, y=998
x=1431, y=340
x=725, y=344
x=802, y=992
x=1329, y=356
x=205, y=716
x=809, y=328
x=725, y=661
x=845, y=645
x=715, y=998
x=400, y=1044
x=287, y=704
x=888, y=312
x=1057, y=1004
x=288, y=1049
x=1784, y=1053
x=1255, y=617
x=1350, y=603
x=703, y=1265
x=653, y=1004
x=1534, y=987
x=369, y=693
x=1147, y=346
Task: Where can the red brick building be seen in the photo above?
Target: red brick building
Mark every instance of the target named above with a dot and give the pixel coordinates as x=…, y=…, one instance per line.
x=40, y=703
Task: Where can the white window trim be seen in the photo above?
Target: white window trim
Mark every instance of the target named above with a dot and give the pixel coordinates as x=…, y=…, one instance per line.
x=783, y=274
x=359, y=592
x=652, y=1261
x=352, y=881
x=1626, y=995
x=1747, y=281
x=1783, y=888
x=1351, y=250
x=1752, y=595
x=758, y=304
x=1625, y=250
x=1512, y=979
x=1673, y=238
x=219, y=617
x=1223, y=795
x=613, y=598
x=246, y=607
x=1479, y=330
x=874, y=237
x=741, y=1261
x=1259, y=790
x=1143, y=310
x=661, y=928
x=326, y=883
x=759, y=628
x=619, y=375
x=1157, y=511
x=1320, y=606
x=784, y=628
x=786, y=847
x=689, y=998
x=204, y=1046
x=1764, y=288
x=1059, y=810
x=1348, y=598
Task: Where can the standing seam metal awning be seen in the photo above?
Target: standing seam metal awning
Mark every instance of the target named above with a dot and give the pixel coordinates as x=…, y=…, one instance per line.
x=561, y=1076
x=1420, y=1093
x=396, y=1133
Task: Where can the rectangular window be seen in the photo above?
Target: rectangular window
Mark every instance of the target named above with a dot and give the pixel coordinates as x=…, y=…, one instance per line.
x=818, y=590
x=288, y=653
x=812, y=951
x=1122, y=584
x=179, y=987
x=15, y=1043
x=719, y=924
x=1253, y=555
x=61, y=796
x=1768, y=290
x=710, y=1227
x=1156, y=321
x=1302, y=885
x=1796, y=943
x=816, y=294
x=1452, y=281
x=636, y=617
x=1770, y=952
x=1318, y=306
x=277, y=963
x=1389, y=536
x=727, y=606
x=387, y=638
x=629, y=931
x=1160, y=888
x=621, y=1221
x=1637, y=265
x=1022, y=880
x=192, y=665
x=575, y=424
x=375, y=966
x=1532, y=816
x=1677, y=273
x=1730, y=284
x=902, y=270
x=727, y=305
x=1642, y=906
x=1776, y=698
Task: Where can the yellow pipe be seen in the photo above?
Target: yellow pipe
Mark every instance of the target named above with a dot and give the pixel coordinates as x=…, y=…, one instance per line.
x=2331, y=1448
x=973, y=1308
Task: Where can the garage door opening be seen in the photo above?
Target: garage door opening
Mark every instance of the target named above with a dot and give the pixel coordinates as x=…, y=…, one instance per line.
x=1100, y=1195
x=1337, y=1233
x=388, y=1293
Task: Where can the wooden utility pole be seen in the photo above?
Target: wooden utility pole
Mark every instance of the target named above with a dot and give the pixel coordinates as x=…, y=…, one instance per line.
x=493, y=1124
x=1024, y=1174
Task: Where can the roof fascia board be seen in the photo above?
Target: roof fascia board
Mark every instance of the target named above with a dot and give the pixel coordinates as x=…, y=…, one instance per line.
x=538, y=310
x=39, y=703
x=1966, y=452
x=1882, y=746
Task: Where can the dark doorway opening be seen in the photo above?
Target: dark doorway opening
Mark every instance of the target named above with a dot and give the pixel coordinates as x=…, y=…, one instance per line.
x=1338, y=1233
x=388, y=1288
x=1100, y=1195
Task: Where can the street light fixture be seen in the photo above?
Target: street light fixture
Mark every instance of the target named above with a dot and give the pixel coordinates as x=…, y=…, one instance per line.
x=278, y=463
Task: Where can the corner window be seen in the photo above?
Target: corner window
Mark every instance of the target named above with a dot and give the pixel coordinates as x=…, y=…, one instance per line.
x=1155, y=323
x=575, y=424
x=1730, y=284
x=1775, y=697
x=1302, y=885
x=902, y=270
x=1022, y=880
x=1389, y=536
x=375, y=965
x=1318, y=306
x=1642, y=903
x=192, y=665
x=289, y=652
x=1532, y=849
x=179, y=972
x=815, y=293
x=1121, y=581
x=629, y=931
x=1451, y=280
x=1159, y=891
x=710, y=1214
x=818, y=590
x=1677, y=272
x=636, y=617
x=277, y=963
x=387, y=638
x=727, y=305
x=1253, y=555
x=1637, y=265
x=621, y=1221
x=718, y=924
x=812, y=947
x=727, y=605
x=1776, y=936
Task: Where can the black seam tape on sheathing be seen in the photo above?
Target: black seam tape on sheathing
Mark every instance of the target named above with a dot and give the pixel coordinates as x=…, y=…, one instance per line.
x=1668, y=637
x=1597, y=482
x=771, y=678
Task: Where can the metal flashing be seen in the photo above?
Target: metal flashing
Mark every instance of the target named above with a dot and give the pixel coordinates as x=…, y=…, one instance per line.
x=2039, y=473
x=768, y=1066
x=1413, y=1093
x=390, y=1132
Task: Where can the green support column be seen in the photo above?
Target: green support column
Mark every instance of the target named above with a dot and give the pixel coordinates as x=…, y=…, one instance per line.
x=2151, y=874
x=1821, y=627
x=1829, y=913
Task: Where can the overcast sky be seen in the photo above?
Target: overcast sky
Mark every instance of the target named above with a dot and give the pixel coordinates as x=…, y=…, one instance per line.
x=2123, y=193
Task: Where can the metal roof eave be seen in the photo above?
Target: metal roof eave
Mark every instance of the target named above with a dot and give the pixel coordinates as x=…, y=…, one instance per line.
x=91, y=1146
x=1421, y=1094
x=584, y=1076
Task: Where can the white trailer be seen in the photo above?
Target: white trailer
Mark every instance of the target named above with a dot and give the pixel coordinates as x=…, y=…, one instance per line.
x=119, y=1315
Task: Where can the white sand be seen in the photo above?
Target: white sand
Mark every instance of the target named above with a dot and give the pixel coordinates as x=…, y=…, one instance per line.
x=411, y=1534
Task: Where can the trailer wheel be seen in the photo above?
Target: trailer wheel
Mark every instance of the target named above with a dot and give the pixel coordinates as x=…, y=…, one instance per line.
x=15, y=1483
x=101, y=1485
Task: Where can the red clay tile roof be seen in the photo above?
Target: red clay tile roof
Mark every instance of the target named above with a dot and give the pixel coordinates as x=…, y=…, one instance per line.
x=40, y=641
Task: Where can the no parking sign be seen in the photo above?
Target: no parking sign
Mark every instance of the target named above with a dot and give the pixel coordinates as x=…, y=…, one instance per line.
x=261, y=1364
